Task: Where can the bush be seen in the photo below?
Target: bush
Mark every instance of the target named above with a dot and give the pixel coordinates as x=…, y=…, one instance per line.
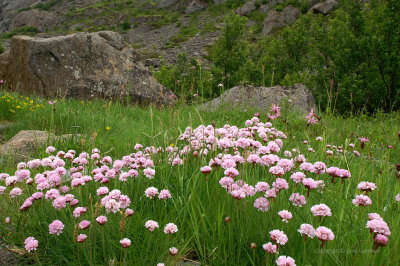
x=126, y=26
x=230, y=53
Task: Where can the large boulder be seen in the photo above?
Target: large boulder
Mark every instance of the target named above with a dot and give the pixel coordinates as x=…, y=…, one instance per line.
x=324, y=7
x=261, y=98
x=40, y=19
x=277, y=19
x=80, y=65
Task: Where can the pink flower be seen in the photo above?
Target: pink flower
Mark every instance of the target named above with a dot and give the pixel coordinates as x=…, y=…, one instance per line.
x=102, y=191
x=278, y=237
x=398, y=197
x=321, y=210
x=31, y=244
x=298, y=177
x=312, y=118
x=84, y=224
x=270, y=248
x=380, y=240
x=373, y=216
x=231, y=172
x=238, y=194
x=280, y=184
x=56, y=227
x=262, y=204
x=101, y=220
x=81, y=238
x=276, y=170
x=78, y=211
x=324, y=234
x=366, y=186
x=285, y=215
x=307, y=230
x=173, y=251
x=129, y=212
x=297, y=199
x=206, y=170
x=262, y=187
x=151, y=192
x=226, y=182
x=151, y=225
x=362, y=200
x=125, y=243
x=15, y=192
x=50, y=149
x=170, y=228
x=379, y=226
x=149, y=173
x=164, y=194
x=285, y=260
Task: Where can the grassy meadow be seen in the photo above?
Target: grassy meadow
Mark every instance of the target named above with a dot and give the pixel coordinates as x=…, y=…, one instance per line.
x=214, y=227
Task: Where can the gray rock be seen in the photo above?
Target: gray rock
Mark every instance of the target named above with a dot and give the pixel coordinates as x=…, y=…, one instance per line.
x=167, y=3
x=36, y=18
x=217, y=2
x=26, y=142
x=246, y=8
x=80, y=65
x=277, y=19
x=195, y=6
x=10, y=5
x=324, y=7
x=261, y=98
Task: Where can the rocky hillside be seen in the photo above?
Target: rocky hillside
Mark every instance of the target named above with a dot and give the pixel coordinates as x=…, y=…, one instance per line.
x=159, y=29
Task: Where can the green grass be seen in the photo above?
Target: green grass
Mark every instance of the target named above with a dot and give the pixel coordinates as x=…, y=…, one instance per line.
x=199, y=207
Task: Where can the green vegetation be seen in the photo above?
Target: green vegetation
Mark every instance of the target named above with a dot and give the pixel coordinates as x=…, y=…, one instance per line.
x=350, y=60
x=43, y=6
x=28, y=30
x=198, y=207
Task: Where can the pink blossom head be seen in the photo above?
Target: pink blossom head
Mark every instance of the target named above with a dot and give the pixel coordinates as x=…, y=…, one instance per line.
x=101, y=220
x=56, y=227
x=270, y=248
x=285, y=215
x=81, y=238
x=128, y=212
x=378, y=226
x=15, y=192
x=278, y=237
x=173, y=251
x=324, y=234
x=31, y=244
x=125, y=243
x=262, y=187
x=297, y=199
x=84, y=224
x=286, y=260
x=151, y=192
x=170, y=228
x=321, y=210
x=262, y=204
x=164, y=194
x=151, y=225
x=307, y=230
x=381, y=240
x=362, y=201
x=280, y=184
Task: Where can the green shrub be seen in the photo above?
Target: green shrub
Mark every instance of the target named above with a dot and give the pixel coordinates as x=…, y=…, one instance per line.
x=125, y=26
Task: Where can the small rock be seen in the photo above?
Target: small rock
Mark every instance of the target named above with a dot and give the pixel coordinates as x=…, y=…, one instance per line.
x=246, y=8
x=324, y=7
x=195, y=6
x=277, y=19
